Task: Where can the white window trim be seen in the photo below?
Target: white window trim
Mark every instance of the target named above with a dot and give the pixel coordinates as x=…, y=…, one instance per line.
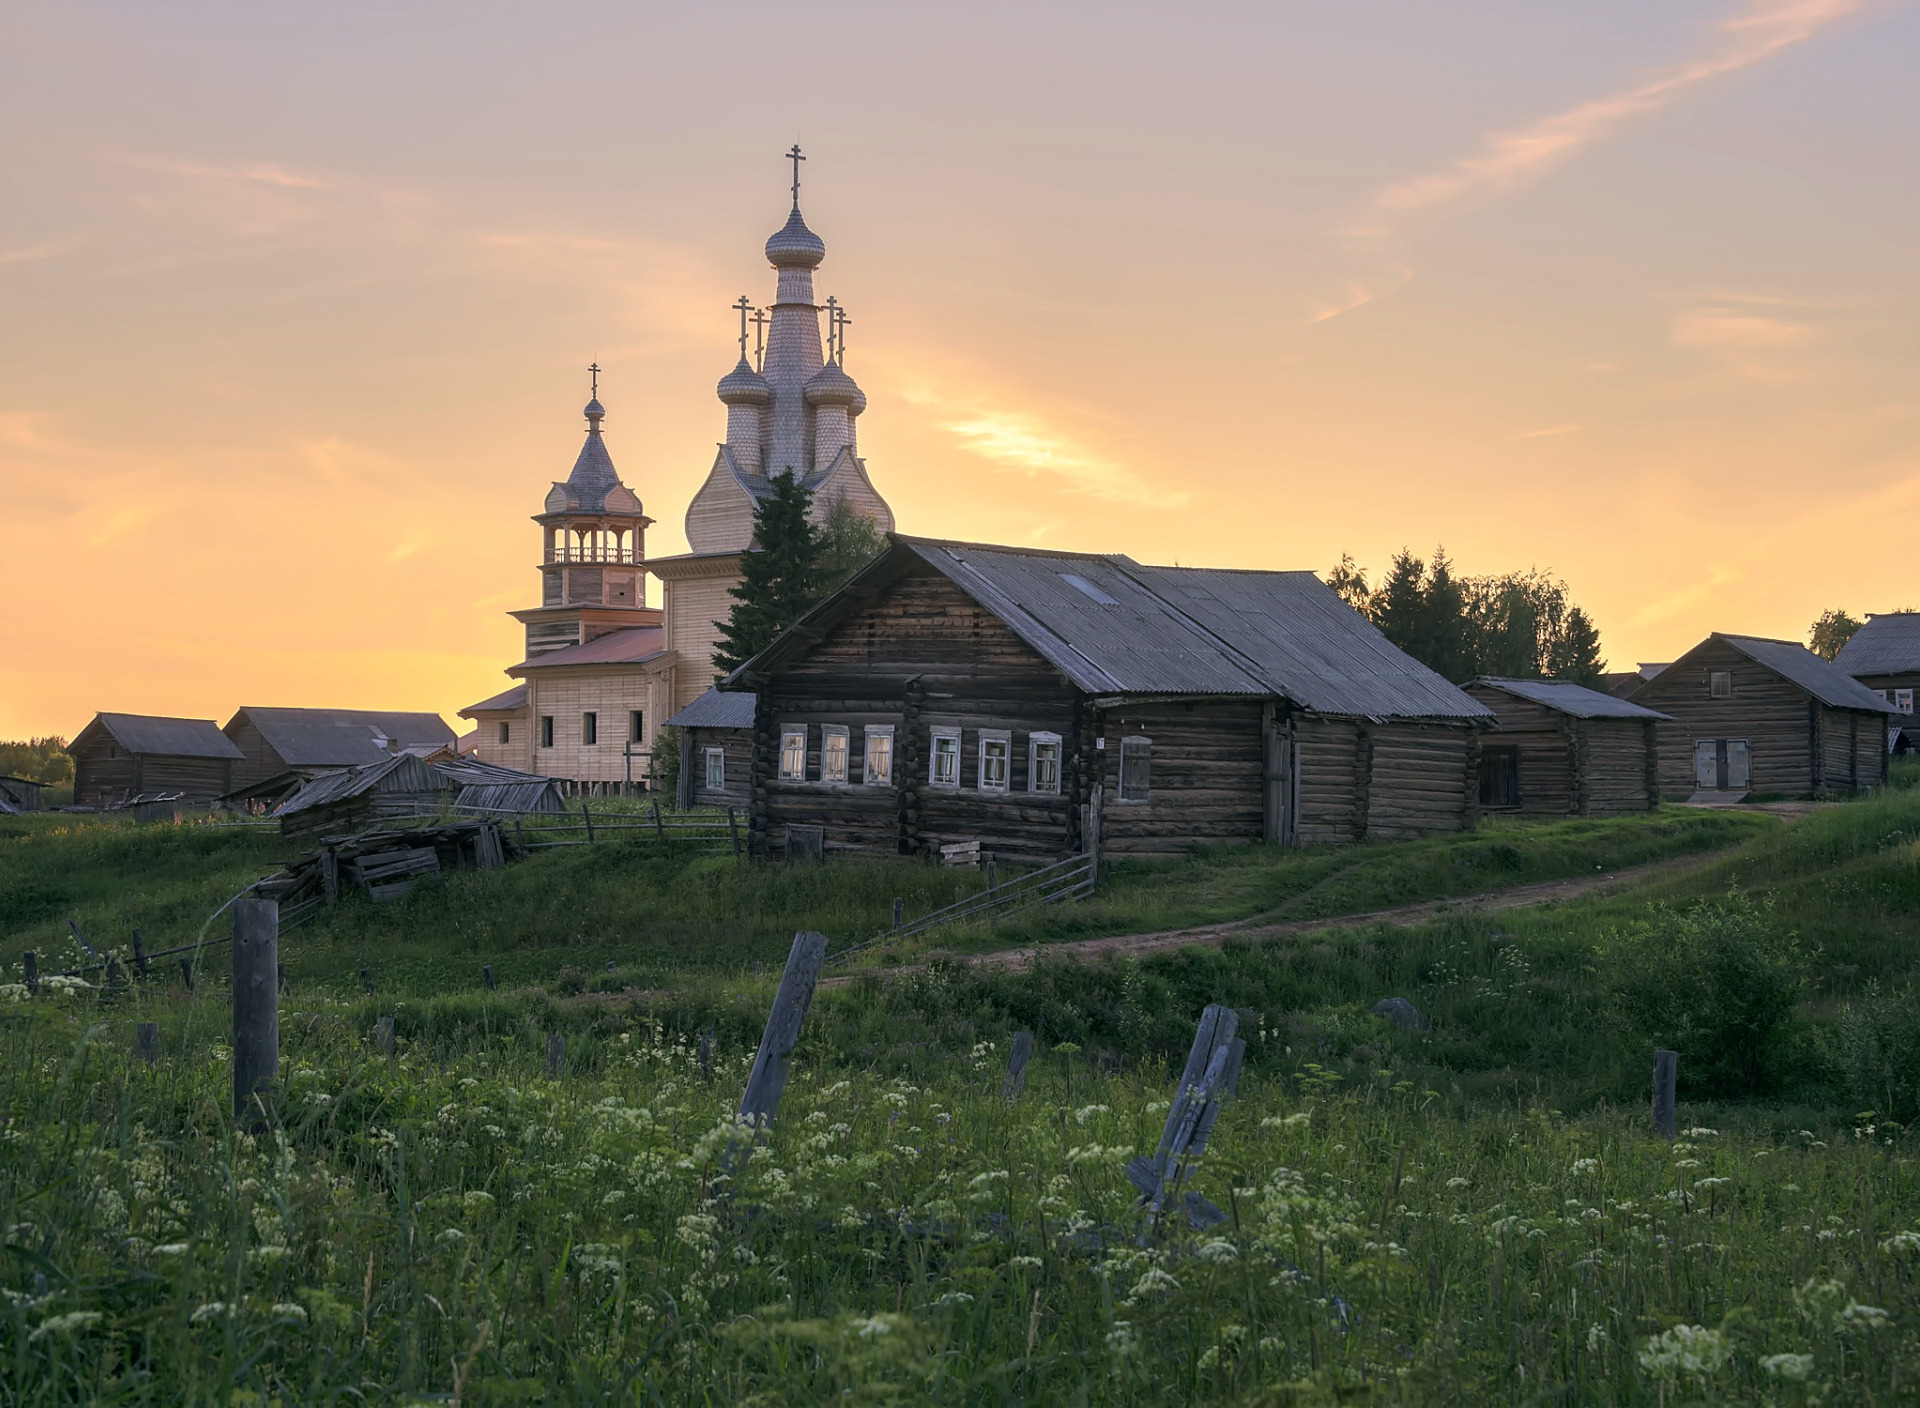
x=1034, y=740
x=934, y=736
x=716, y=755
x=1120, y=781
x=1905, y=706
x=994, y=735
x=845, y=735
x=1712, y=676
x=867, y=736
x=788, y=731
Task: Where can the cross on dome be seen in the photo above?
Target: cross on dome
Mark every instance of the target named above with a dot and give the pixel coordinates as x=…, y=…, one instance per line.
x=795, y=157
x=744, y=307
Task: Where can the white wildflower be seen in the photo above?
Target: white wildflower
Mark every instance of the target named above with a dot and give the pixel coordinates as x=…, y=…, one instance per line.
x=291, y=1310
x=212, y=1310
x=70, y=1323
x=873, y=1325
x=1586, y=1165
x=1685, y=1351
x=1795, y=1368
x=1218, y=1250
x=952, y=1300
x=1901, y=1242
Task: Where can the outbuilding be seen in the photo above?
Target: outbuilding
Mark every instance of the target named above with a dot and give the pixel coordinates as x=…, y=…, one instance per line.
x=1884, y=655
x=953, y=692
x=716, y=750
x=19, y=794
x=1561, y=749
x=310, y=741
x=120, y=757
x=1751, y=714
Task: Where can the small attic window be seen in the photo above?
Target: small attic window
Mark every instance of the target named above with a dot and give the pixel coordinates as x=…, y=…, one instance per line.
x=1720, y=684
x=1082, y=585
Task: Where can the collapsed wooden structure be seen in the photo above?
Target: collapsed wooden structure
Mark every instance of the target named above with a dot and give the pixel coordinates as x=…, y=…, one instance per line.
x=1560, y=749
x=952, y=692
x=353, y=799
x=385, y=864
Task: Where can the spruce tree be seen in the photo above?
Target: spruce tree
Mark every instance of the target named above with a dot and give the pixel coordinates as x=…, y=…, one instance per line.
x=1574, y=655
x=1397, y=604
x=779, y=582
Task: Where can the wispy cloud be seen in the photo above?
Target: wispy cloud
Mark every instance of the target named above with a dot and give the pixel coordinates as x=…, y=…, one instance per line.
x=32, y=253
x=1718, y=327
x=1020, y=440
x=1508, y=159
x=264, y=173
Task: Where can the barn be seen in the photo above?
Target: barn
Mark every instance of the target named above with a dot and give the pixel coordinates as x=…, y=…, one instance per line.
x=1884, y=655
x=952, y=692
x=1751, y=714
x=274, y=742
x=19, y=794
x=119, y=757
x=716, y=750
x=1560, y=749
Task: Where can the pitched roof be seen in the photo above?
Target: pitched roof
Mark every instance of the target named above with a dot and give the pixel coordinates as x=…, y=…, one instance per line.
x=629, y=646
x=157, y=735
x=1824, y=680
x=1115, y=627
x=515, y=698
x=342, y=737
x=1888, y=644
x=717, y=708
x=1572, y=699
x=400, y=773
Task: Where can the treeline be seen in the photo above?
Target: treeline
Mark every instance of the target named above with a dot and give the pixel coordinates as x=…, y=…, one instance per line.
x=1520, y=625
x=38, y=760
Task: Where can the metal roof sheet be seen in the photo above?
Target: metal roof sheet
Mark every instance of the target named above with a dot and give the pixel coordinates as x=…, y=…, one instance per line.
x=716, y=708
x=342, y=737
x=1888, y=644
x=515, y=698
x=400, y=773
x=1573, y=699
x=1822, y=679
x=630, y=646
x=155, y=734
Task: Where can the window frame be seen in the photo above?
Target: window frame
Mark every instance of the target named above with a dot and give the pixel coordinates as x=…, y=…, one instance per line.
x=1035, y=742
x=589, y=728
x=1715, y=678
x=828, y=733
x=1004, y=737
x=1141, y=746
x=716, y=775
x=938, y=734
x=546, y=730
x=789, y=732
x=636, y=725
x=869, y=735
x=506, y=730
x=1902, y=700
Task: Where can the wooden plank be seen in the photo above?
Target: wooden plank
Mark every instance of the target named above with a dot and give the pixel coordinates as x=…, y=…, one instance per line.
x=256, y=1009
x=1017, y=1058
x=773, y=1061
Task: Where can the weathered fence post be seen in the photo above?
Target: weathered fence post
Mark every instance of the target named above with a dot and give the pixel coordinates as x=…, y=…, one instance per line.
x=146, y=1041
x=773, y=1062
x=486, y=975
x=30, y=970
x=330, y=875
x=111, y=977
x=139, y=956
x=1213, y=1068
x=733, y=830
x=186, y=974
x=659, y=828
x=74, y=929
x=256, y=1008
x=706, y=1055
x=383, y=1036
x=366, y=981
x=556, y=1056
x=1017, y=1059
x=280, y=973
x=899, y=911
x=993, y=877
x=587, y=817
x=1666, y=1074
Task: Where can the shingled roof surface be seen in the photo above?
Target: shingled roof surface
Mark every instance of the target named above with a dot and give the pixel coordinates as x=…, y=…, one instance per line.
x=342, y=737
x=156, y=735
x=717, y=708
x=1886, y=645
x=629, y=646
x=1115, y=627
x=1572, y=699
x=1824, y=680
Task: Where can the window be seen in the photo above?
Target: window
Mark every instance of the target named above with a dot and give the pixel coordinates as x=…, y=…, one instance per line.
x=716, y=769
x=546, y=730
x=1043, y=763
x=589, y=728
x=636, y=726
x=1136, y=769
x=506, y=731
x=943, y=768
x=996, y=748
x=1720, y=684
x=833, y=753
x=793, y=753
x=879, y=757
x=1903, y=700
x=1500, y=777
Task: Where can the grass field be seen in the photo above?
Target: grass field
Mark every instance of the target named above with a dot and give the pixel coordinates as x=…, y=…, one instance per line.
x=1474, y=1212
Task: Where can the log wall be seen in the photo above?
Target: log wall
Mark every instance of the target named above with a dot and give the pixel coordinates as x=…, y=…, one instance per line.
x=1574, y=767
x=105, y=774
x=738, y=746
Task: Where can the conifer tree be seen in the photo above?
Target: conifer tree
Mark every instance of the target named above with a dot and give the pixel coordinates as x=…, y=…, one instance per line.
x=779, y=582
x=1574, y=655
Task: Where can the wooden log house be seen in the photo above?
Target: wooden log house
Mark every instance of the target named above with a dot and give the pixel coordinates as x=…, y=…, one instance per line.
x=1751, y=714
x=1560, y=749
x=716, y=750
x=305, y=742
x=1884, y=655
x=119, y=757
x=953, y=692
x=19, y=794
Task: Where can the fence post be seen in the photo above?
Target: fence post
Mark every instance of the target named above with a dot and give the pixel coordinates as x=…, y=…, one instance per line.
x=280, y=973
x=256, y=1008
x=186, y=974
x=556, y=1056
x=486, y=973
x=383, y=1036
x=30, y=970
x=366, y=981
x=1017, y=1059
x=587, y=816
x=659, y=831
x=146, y=1041
x=773, y=1062
x=1666, y=1074
x=139, y=956
x=899, y=911
x=993, y=877
x=706, y=1055
x=1093, y=838
x=733, y=830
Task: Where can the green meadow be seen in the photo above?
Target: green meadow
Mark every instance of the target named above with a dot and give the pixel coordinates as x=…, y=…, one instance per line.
x=1474, y=1211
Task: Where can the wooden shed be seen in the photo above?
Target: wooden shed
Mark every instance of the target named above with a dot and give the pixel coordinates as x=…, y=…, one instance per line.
x=1884, y=655
x=1560, y=749
x=19, y=794
x=716, y=750
x=311, y=741
x=1751, y=714
x=953, y=692
x=119, y=757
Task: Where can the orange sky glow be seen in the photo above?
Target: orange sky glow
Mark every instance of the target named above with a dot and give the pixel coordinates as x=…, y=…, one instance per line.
x=298, y=303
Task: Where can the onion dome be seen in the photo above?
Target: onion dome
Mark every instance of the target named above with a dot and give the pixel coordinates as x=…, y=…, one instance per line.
x=595, y=413
x=830, y=386
x=794, y=246
x=743, y=386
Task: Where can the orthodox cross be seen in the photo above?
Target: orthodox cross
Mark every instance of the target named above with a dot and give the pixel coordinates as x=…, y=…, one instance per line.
x=744, y=308
x=595, y=369
x=833, y=328
x=759, y=321
x=840, y=318
x=795, y=157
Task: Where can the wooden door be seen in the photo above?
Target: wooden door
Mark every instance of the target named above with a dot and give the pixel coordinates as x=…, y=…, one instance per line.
x=1706, y=764
x=1739, y=765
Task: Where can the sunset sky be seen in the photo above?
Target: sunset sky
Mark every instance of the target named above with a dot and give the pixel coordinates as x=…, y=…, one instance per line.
x=296, y=303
